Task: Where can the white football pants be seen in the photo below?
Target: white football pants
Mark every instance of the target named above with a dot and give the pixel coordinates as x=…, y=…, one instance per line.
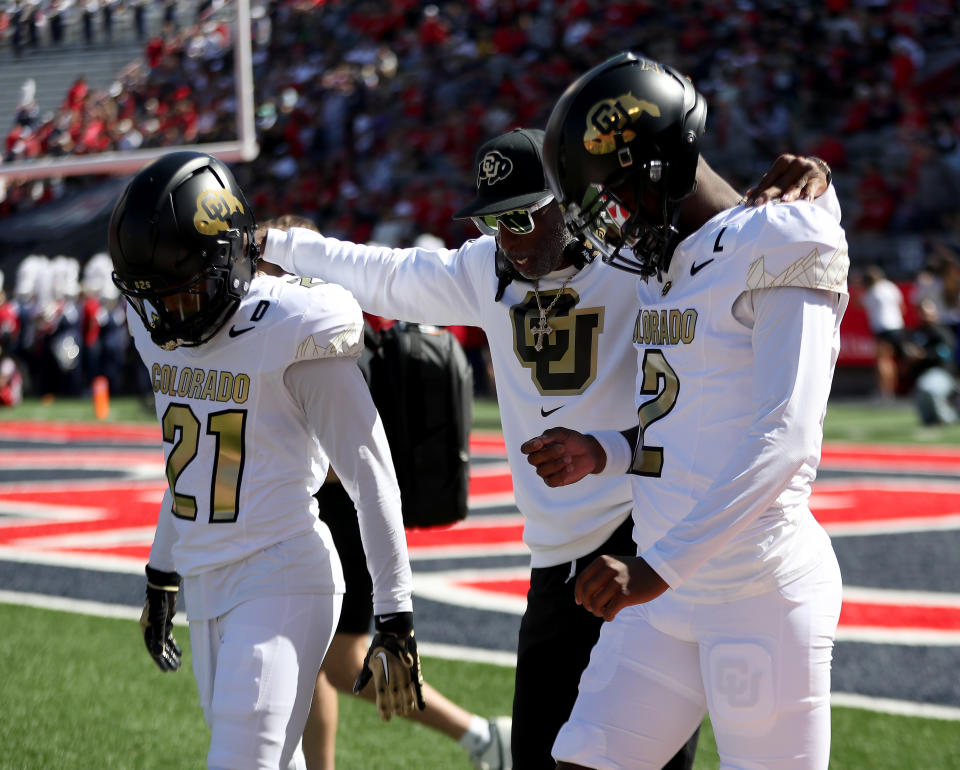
x=256, y=667
x=760, y=665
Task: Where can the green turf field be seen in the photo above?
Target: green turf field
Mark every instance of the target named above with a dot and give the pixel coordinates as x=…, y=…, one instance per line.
x=81, y=692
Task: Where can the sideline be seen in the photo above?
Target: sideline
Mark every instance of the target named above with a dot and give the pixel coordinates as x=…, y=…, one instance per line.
x=471, y=654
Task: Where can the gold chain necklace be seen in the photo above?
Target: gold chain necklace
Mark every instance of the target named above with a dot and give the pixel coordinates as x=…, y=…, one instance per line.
x=543, y=328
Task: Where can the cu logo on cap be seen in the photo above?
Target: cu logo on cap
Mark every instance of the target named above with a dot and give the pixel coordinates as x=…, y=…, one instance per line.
x=494, y=168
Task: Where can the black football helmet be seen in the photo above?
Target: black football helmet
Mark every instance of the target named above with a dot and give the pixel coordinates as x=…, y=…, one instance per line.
x=182, y=242
x=620, y=152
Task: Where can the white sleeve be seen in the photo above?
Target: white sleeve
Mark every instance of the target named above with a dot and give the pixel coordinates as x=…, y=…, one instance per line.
x=829, y=202
x=438, y=286
x=339, y=409
x=161, y=552
x=793, y=340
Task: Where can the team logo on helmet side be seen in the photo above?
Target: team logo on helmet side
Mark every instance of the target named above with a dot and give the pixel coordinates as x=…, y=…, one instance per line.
x=214, y=207
x=609, y=116
x=494, y=167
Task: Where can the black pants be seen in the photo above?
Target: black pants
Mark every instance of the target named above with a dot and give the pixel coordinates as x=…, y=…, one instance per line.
x=556, y=637
x=336, y=509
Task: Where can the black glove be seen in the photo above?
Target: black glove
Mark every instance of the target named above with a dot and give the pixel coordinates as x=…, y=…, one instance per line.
x=157, y=618
x=396, y=666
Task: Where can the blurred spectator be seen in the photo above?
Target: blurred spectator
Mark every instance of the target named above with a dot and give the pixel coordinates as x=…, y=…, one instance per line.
x=929, y=351
x=139, y=19
x=883, y=301
x=11, y=381
x=31, y=294
x=55, y=21
x=877, y=200
x=170, y=14
x=16, y=27
x=9, y=322
x=933, y=190
x=27, y=114
x=59, y=332
x=34, y=15
x=106, y=19
x=89, y=15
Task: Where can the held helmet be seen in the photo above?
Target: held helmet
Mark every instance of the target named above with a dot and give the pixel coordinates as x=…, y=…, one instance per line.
x=182, y=242
x=620, y=153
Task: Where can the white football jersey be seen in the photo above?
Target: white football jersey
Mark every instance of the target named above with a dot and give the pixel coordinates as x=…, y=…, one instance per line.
x=582, y=378
x=736, y=349
x=242, y=461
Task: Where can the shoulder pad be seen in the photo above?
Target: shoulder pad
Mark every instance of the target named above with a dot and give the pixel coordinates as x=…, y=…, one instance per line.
x=797, y=246
x=325, y=319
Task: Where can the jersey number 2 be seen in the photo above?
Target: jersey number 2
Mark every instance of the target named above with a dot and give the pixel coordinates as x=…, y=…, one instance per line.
x=660, y=381
x=182, y=428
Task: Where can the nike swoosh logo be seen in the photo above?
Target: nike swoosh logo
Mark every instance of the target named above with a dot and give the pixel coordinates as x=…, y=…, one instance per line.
x=235, y=332
x=548, y=412
x=382, y=657
x=694, y=269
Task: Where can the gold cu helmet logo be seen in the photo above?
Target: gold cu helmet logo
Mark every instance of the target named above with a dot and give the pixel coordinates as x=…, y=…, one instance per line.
x=214, y=208
x=494, y=168
x=612, y=115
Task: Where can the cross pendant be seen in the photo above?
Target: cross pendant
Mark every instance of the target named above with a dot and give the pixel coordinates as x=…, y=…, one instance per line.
x=540, y=331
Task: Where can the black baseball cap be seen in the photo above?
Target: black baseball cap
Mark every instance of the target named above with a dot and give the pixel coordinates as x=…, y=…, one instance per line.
x=509, y=174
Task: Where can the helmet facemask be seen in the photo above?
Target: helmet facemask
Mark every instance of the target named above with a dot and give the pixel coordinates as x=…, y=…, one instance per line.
x=188, y=314
x=630, y=220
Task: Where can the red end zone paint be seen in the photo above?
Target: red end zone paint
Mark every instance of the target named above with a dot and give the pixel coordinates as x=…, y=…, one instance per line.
x=893, y=458
x=80, y=431
x=880, y=615
x=853, y=613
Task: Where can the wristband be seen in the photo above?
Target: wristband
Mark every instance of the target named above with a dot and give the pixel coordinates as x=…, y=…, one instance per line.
x=398, y=623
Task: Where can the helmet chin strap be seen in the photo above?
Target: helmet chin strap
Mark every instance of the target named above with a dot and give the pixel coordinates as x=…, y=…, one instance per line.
x=671, y=236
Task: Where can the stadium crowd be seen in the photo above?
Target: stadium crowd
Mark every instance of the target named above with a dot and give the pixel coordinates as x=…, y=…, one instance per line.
x=61, y=327
x=368, y=114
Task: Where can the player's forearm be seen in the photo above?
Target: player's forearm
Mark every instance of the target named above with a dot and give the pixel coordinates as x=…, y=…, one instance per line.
x=339, y=409
x=376, y=495
x=164, y=537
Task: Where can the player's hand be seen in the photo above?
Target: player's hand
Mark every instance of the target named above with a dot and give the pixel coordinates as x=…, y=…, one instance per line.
x=611, y=583
x=791, y=177
x=157, y=618
x=394, y=665
x=563, y=456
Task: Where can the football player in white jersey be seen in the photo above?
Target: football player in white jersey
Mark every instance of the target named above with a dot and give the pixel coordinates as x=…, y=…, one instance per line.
x=487, y=741
x=558, y=352
x=258, y=394
x=731, y=605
